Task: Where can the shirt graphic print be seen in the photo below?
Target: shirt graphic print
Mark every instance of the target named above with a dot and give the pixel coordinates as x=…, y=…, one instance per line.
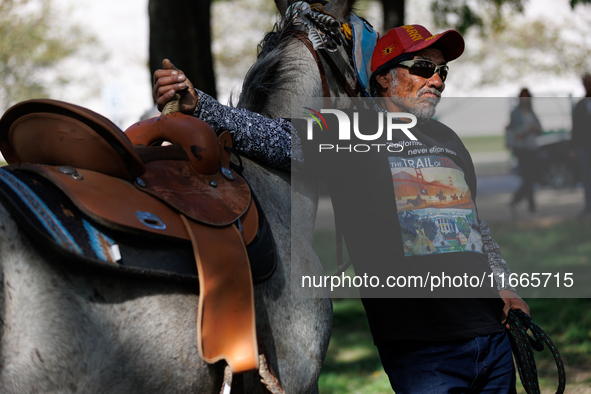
x=435, y=207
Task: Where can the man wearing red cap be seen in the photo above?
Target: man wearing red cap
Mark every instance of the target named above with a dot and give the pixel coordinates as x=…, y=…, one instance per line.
x=452, y=344
x=416, y=63
x=393, y=218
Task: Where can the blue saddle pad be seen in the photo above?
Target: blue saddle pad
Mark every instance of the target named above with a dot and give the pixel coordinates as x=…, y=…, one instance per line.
x=57, y=226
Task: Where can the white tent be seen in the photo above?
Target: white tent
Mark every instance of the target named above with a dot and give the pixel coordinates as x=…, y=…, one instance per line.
x=474, y=242
x=422, y=245
x=440, y=240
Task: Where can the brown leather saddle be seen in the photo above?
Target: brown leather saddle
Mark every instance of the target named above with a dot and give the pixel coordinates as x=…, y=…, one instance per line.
x=185, y=193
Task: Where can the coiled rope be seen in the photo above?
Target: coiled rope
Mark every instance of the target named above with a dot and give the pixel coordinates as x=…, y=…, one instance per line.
x=523, y=344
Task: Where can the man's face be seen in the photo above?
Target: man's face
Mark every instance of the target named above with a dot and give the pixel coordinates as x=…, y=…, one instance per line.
x=412, y=93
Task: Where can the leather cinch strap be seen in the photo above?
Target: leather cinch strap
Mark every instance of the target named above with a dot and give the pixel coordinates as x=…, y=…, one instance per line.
x=351, y=92
x=225, y=322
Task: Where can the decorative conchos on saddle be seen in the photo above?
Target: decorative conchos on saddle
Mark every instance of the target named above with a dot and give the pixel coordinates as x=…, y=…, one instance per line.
x=85, y=188
x=203, y=187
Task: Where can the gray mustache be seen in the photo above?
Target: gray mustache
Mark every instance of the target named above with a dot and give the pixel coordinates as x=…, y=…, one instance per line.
x=429, y=90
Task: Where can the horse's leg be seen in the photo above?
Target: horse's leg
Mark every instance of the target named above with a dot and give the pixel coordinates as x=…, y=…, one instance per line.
x=67, y=330
x=295, y=330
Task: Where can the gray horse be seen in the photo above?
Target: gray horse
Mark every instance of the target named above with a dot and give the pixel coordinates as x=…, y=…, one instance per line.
x=65, y=331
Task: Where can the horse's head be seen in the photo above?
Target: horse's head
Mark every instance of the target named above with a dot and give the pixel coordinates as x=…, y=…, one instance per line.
x=294, y=58
x=338, y=9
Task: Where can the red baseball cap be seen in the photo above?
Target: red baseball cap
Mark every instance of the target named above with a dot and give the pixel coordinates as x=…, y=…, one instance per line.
x=412, y=38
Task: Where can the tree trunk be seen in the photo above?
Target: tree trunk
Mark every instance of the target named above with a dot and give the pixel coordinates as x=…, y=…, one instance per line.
x=180, y=31
x=393, y=14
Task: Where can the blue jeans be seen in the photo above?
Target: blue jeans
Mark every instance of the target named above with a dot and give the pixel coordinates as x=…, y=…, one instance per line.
x=480, y=365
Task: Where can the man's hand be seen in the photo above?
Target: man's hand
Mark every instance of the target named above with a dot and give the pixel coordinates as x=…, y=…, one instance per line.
x=170, y=80
x=512, y=301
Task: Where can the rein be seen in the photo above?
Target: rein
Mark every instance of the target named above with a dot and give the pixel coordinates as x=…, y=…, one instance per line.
x=339, y=75
x=303, y=37
x=523, y=346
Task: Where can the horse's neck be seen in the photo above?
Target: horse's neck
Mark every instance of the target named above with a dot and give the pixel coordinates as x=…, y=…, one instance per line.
x=288, y=102
x=302, y=82
x=306, y=83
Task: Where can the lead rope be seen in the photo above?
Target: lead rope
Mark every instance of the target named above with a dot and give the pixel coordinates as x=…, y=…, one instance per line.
x=227, y=384
x=268, y=379
x=523, y=345
x=174, y=105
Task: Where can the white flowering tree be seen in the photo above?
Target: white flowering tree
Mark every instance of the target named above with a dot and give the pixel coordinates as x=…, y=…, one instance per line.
x=34, y=41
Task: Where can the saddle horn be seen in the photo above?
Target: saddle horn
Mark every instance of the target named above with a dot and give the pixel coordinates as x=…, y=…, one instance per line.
x=196, y=137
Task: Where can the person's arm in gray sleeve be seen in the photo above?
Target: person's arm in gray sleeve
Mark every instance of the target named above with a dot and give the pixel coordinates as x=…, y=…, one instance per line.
x=499, y=267
x=497, y=264
x=268, y=141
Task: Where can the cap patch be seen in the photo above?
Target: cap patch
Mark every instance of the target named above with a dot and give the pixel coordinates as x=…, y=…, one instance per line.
x=388, y=50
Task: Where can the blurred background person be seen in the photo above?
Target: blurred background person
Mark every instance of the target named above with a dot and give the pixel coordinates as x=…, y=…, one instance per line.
x=581, y=139
x=521, y=135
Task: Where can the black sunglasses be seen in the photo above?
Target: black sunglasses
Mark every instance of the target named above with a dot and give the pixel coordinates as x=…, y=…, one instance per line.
x=425, y=68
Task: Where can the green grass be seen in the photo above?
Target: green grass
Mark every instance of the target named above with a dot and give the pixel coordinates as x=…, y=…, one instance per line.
x=352, y=364
x=568, y=323
x=489, y=143
x=563, y=245
x=564, y=248
x=325, y=246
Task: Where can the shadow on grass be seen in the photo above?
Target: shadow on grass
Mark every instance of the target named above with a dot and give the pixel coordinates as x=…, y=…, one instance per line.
x=352, y=363
x=528, y=247
x=352, y=346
